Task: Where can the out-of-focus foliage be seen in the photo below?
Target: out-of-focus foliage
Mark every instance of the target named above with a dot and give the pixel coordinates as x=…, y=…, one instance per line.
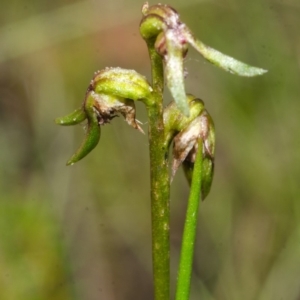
x=34, y=264
x=83, y=232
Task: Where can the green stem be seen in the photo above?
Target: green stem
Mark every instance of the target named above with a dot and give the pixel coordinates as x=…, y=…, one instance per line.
x=157, y=71
x=160, y=183
x=189, y=233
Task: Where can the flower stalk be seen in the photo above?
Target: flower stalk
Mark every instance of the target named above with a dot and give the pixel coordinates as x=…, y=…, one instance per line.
x=160, y=205
x=189, y=232
x=159, y=180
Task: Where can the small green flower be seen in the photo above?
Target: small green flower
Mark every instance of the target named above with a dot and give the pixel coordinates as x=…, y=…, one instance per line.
x=185, y=133
x=172, y=39
x=186, y=147
x=111, y=92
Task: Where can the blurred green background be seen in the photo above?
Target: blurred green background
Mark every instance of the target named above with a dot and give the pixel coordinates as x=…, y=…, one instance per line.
x=83, y=232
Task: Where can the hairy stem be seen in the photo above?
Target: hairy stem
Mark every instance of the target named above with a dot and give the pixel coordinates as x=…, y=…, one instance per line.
x=160, y=183
x=189, y=233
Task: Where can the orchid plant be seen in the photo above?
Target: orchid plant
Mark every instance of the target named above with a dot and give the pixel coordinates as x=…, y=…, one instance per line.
x=185, y=123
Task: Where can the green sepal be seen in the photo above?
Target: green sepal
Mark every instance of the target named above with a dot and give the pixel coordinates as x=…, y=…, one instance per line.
x=122, y=83
x=92, y=136
x=174, y=70
x=76, y=117
x=221, y=60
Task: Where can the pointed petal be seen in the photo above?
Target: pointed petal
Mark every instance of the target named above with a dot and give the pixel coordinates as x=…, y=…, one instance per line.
x=73, y=118
x=221, y=60
x=92, y=136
